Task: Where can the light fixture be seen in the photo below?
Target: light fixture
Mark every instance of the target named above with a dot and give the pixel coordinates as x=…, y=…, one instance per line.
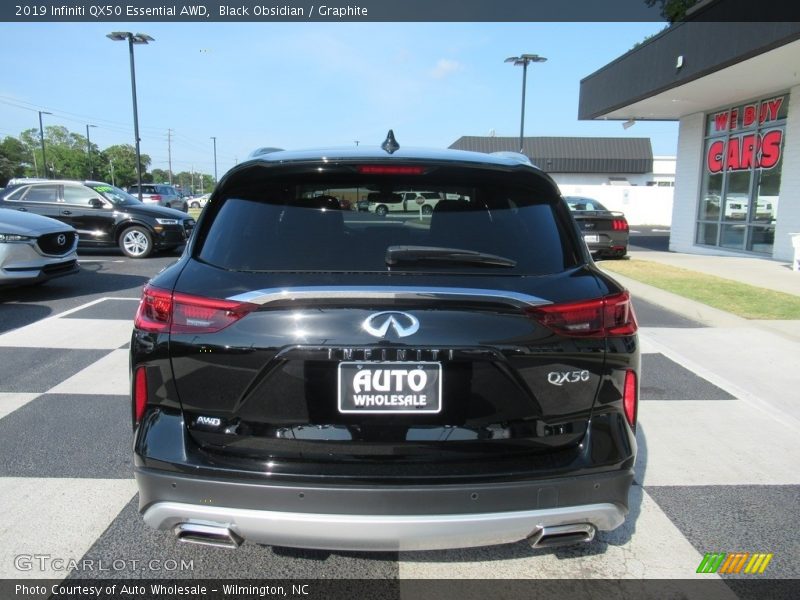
x=629, y=123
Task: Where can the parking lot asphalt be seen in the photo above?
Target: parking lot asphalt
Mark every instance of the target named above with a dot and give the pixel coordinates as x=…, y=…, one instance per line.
x=716, y=469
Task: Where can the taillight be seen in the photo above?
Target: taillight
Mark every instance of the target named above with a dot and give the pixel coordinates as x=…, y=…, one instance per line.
x=155, y=197
x=609, y=316
x=619, y=225
x=155, y=310
x=163, y=311
x=139, y=394
x=629, y=397
x=194, y=314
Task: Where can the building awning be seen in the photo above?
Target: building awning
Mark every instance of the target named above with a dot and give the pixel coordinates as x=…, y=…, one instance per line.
x=571, y=154
x=693, y=67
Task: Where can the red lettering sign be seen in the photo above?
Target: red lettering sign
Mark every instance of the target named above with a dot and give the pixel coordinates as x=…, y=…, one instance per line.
x=743, y=152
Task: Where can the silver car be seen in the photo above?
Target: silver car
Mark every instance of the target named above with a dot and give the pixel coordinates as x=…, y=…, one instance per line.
x=161, y=194
x=35, y=248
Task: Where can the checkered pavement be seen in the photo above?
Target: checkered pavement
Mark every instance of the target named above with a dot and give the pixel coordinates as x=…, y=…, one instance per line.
x=715, y=473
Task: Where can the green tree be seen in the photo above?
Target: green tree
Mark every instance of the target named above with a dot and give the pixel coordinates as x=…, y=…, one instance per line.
x=160, y=175
x=14, y=159
x=121, y=159
x=672, y=10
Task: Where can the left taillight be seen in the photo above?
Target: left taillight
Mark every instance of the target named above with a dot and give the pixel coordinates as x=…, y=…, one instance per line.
x=165, y=311
x=609, y=316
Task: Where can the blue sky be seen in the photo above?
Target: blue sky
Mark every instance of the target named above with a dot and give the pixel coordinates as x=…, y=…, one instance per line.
x=300, y=85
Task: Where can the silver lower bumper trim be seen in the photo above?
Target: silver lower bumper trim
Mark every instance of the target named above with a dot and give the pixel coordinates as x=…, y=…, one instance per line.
x=381, y=532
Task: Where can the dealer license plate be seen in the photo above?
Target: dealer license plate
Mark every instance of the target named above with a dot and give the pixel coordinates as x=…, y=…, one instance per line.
x=390, y=387
x=591, y=239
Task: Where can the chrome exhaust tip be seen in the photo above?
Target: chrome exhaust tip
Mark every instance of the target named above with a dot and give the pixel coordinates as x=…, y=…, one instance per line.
x=562, y=535
x=207, y=535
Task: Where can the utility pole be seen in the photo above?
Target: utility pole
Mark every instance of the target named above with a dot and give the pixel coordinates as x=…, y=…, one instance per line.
x=111, y=162
x=89, y=152
x=169, y=153
x=215, y=159
x=192, y=188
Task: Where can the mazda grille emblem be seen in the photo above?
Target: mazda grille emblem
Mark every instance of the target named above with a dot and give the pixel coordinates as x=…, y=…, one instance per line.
x=380, y=323
x=61, y=239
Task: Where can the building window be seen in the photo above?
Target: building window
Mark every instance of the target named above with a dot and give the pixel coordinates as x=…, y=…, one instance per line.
x=743, y=158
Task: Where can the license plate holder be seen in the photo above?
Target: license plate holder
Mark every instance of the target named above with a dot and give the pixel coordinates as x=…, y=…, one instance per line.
x=389, y=387
x=591, y=238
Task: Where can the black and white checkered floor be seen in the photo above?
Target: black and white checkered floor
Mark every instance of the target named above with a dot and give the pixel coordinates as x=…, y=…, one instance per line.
x=716, y=473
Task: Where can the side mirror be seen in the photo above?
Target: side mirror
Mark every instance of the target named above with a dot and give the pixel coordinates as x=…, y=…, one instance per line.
x=96, y=203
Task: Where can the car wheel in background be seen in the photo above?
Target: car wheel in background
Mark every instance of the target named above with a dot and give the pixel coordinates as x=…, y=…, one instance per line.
x=136, y=242
x=427, y=209
x=195, y=205
x=381, y=210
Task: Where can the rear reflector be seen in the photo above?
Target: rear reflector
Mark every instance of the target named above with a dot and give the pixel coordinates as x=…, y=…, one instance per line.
x=162, y=311
x=609, y=316
x=139, y=394
x=630, y=397
x=390, y=170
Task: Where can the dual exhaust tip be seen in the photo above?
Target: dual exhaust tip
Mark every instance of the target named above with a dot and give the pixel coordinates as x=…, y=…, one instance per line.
x=544, y=537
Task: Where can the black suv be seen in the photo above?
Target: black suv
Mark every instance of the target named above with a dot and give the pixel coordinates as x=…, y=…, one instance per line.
x=103, y=215
x=314, y=377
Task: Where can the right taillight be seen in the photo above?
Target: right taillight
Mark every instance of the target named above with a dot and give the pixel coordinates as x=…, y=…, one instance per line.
x=630, y=397
x=139, y=394
x=165, y=311
x=156, y=197
x=608, y=316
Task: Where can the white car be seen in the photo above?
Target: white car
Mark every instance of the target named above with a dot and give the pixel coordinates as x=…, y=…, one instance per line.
x=34, y=248
x=381, y=204
x=199, y=201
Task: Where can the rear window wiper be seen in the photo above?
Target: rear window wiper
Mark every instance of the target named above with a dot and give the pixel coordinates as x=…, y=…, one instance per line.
x=396, y=255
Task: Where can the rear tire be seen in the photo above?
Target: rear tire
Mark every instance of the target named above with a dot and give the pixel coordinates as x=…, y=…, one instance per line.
x=195, y=205
x=136, y=242
x=381, y=210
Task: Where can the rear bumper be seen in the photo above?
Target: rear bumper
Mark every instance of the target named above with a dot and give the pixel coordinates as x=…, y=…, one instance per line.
x=384, y=518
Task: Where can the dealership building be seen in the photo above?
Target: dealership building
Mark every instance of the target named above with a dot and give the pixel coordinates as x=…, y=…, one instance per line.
x=734, y=87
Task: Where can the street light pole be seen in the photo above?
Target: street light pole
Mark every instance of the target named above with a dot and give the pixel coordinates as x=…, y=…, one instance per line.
x=138, y=38
x=41, y=139
x=89, y=151
x=524, y=60
x=215, y=159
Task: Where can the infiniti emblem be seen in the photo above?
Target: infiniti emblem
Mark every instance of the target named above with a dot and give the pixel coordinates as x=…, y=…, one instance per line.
x=403, y=324
x=61, y=239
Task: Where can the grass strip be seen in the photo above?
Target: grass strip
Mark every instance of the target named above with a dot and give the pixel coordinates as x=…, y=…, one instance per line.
x=747, y=301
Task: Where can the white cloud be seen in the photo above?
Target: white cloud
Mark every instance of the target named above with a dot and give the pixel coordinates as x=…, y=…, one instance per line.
x=445, y=67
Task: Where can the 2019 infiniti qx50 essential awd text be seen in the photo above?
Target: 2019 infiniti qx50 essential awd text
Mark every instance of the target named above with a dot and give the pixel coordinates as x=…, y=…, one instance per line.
x=313, y=375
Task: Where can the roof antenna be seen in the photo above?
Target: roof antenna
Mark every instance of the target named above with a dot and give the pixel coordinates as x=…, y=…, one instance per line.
x=390, y=144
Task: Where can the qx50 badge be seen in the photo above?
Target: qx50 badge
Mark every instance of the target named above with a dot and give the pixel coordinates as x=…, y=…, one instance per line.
x=379, y=324
x=562, y=377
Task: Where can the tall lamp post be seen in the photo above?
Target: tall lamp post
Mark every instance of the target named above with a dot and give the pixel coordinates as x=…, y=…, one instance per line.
x=133, y=38
x=89, y=151
x=215, y=159
x=524, y=60
x=41, y=139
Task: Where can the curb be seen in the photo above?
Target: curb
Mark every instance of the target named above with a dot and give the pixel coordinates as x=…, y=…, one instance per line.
x=697, y=311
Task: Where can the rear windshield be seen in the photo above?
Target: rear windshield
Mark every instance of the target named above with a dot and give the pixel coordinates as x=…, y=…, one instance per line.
x=369, y=226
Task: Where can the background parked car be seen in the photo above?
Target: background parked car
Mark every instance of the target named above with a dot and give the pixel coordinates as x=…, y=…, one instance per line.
x=103, y=215
x=161, y=194
x=199, y=201
x=403, y=202
x=606, y=233
x=34, y=249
